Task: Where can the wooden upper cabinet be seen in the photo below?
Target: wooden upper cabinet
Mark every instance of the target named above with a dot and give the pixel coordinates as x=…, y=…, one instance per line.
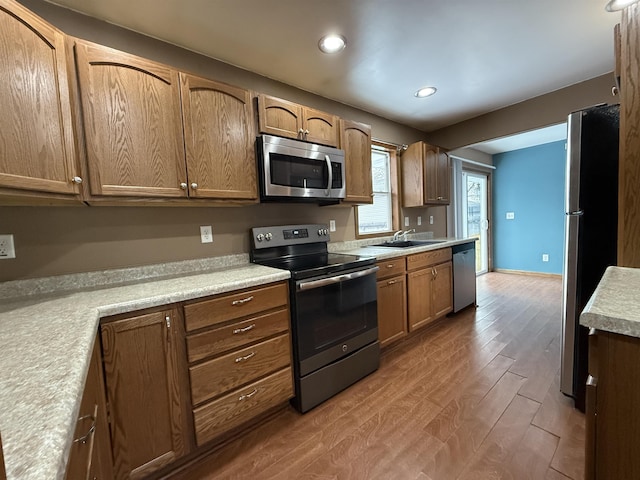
x=279, y=117
x=320, y=127
x=426, y=176
x=355, y=140
x=132, y=123
x=142, y=358
x=36, y=136
x=219, y=139
x=287, y=119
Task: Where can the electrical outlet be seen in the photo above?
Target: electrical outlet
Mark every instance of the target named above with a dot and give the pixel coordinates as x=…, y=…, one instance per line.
x=406, y=221
x=419, y=220
x=545, y=257
x=206, y=234
x=511, y=215
x=430, y=219
x=332, y=225
x=7, y=249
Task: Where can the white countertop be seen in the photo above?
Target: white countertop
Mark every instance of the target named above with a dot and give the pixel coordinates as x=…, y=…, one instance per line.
x=615, y=305
x=48, y=327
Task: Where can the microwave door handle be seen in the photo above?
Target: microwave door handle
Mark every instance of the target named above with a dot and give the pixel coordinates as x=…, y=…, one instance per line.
x=337, y=279
x=330, y=183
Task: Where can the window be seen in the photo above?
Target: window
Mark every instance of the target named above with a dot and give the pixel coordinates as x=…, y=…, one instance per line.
x=381, y=216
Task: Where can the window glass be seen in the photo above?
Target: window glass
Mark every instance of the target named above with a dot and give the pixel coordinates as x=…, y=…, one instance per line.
x=378, y=217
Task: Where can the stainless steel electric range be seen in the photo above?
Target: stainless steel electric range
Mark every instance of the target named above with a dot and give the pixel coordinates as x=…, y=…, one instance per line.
x=334, y=321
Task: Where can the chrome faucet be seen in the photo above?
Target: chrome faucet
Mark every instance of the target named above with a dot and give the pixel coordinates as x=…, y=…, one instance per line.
x=403, y=234
x=396, y=236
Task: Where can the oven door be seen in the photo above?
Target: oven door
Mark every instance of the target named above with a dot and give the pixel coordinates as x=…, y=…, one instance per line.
x=333, y=317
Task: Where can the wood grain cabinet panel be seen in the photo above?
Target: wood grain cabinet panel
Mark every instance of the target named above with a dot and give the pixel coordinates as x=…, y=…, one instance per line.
x=225, y=307
x=144, y=366
x=215, y=418
x=90, y=455
x=391, y=268
x=426, y=176
x=37, y=151
x=355, y=140
x=219, y=139
x=392, y=309
x=320, y=127
x=429, y=286
x=287, y=119
x=230, y=371
x=132, y=124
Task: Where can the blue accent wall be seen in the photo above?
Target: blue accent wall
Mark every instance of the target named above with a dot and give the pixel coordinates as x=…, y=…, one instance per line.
x=530, y=183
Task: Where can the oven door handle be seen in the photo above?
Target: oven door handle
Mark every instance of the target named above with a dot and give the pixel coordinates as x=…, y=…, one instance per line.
x=330, y=183
x=337, y=279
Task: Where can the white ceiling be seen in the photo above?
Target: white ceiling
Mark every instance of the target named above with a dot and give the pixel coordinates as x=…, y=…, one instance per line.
x=532, y=138
x=481, y=55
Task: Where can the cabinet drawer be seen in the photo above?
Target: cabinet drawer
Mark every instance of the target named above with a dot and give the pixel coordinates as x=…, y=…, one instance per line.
x=237, y=407
x=227, y=372
x=236, y=305
x=235, y=335
x=391, y=267
x=425, y=259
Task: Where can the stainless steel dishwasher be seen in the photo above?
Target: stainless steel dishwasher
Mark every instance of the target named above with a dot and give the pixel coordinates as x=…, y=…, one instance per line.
x=464, y=275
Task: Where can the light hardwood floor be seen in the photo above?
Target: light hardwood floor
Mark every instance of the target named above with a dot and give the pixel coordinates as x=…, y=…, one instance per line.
x=475, y=396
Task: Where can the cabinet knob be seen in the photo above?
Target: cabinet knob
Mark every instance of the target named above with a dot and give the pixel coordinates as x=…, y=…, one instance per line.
x=76, y=180
x=440, y=198
x=194, y=186
x=183, y=186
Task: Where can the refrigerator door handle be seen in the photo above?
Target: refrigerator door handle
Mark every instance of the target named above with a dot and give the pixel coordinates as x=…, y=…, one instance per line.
x=578, y=213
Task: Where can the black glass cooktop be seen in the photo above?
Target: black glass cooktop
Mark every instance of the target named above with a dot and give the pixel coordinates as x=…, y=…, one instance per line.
x=311, y=265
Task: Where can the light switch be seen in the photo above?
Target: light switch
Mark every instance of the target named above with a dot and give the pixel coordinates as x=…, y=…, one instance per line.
x=511, y=215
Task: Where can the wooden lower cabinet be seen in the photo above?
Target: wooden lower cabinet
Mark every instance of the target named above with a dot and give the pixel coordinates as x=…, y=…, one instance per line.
x=239, y=351
x=392, y=300
x=613, y=396
x=429, y=286
x=90, y=455
x=229, y=411
x=145, y=374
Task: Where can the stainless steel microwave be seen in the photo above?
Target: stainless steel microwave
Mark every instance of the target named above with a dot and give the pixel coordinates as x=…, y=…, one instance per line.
x=291, y=170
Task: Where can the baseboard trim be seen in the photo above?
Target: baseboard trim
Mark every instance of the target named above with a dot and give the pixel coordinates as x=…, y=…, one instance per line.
x=524, y=272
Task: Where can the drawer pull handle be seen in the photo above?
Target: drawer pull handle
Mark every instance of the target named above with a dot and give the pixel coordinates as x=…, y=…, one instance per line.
x=242, y=302
x=390, y=265
x=245, y=329
x=246, y=357
x=248, y=395
x=92, y=428
x=391, y=282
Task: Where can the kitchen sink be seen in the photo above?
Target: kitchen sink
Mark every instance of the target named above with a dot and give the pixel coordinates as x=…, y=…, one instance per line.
x=407, y=243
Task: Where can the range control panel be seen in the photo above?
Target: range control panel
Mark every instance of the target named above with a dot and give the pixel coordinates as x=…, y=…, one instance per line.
x=265, y=237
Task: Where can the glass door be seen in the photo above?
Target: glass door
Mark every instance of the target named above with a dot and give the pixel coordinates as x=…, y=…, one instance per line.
x=475, y=220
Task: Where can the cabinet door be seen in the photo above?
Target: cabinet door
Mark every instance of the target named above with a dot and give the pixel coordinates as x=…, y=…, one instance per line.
x=279, y=117
x=431, y=162
x=392, y=309
x=133, y=127
x=413, y=181
x=320, y=127
x=420, y=298
x=36, y=137
x=90, y=455
x=147, y=406
x=443, y=195
x=219, y=139
x=442, y=289
x=355, y=140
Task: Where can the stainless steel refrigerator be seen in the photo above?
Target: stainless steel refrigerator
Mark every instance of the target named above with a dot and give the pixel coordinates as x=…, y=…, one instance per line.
x=591, y=224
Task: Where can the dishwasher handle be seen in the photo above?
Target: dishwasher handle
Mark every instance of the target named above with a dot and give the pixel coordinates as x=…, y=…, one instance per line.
x=323, y=282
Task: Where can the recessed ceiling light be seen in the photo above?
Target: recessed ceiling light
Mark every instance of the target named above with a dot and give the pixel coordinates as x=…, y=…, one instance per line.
x=615, y=5
x=425, y=92
x=332, y=43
